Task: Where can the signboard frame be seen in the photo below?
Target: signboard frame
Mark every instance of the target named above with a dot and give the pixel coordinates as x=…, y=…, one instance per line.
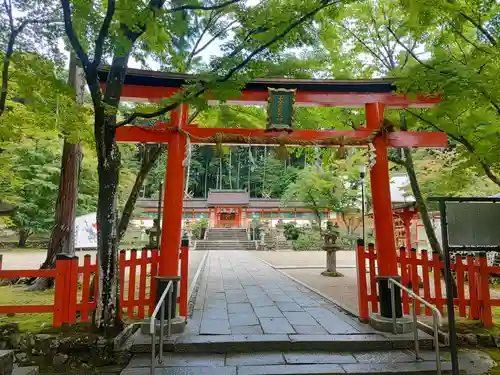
x=452, y=335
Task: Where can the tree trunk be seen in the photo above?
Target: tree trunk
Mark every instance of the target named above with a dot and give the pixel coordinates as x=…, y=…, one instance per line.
x=107, y=314
x=62, y=239
x=331, y=261
x=149, y=160
x=23, y=237
x=421, y=203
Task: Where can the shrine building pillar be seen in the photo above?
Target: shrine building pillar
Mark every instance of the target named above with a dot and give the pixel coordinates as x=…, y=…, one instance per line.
x=382, y=213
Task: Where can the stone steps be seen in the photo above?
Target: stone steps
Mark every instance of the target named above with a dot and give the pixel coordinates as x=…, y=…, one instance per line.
x=235, y=234
x=225, y=245
x=279, y=342
x=289, y=363
x=7, y=366
x=30, y=370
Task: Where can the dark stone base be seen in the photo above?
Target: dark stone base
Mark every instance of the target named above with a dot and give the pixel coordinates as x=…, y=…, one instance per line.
x=178, y=325
x=403, y=325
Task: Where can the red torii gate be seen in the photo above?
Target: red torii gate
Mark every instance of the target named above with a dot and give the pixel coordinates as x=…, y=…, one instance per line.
x=373, y=95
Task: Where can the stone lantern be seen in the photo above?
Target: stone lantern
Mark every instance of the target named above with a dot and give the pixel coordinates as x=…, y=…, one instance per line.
x=154, y=235
x=331, y=247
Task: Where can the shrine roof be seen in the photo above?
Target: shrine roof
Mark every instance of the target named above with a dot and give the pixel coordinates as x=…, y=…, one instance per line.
x=147, y=85
x=228, y=197
x=151, y=78
x=399, y=193
x=202, y=203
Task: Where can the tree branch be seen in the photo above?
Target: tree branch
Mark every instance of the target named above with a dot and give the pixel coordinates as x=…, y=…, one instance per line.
x=8, y=9
x=201, y=7
x=408, y=50
x=285, y=32
x=232, y=71
x=374, y=54
x=195, y=47
x=468, y=146
x=481, y=28
x=461, y=35
x=217, y=35
x=390, y=58
x=103, y=33
x=73, y=39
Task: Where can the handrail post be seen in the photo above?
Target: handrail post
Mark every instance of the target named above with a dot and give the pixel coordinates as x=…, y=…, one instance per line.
x=393, y=303
x=415, y=328
x=153, y=349
x=436, y=342
x=169, y=318
x=436, y=319
x=160, y=307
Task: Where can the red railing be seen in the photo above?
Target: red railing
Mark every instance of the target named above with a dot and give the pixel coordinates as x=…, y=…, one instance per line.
x=73, y=291
x=423, y=273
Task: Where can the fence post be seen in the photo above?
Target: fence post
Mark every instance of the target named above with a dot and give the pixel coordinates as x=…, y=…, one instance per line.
x=123, y=259
x=362, y=287
x=64, y=294
x=183, y=297
x=72, y=289
x=425, y=278
x=472, y=274
x=152, y=280
x=59, y=292
x=373, y=277
x=131, y=283
x=405, y=279
x=436, y=268
x=484, y=284
x=460, y=277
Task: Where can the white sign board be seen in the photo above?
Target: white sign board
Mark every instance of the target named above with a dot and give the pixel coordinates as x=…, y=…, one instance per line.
x=86, y=231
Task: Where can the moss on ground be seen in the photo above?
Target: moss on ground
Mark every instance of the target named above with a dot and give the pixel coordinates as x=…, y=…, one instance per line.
x=17, y=295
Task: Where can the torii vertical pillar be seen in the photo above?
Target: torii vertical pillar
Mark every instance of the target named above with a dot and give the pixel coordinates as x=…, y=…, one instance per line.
x=170, y=243
x=382, y=214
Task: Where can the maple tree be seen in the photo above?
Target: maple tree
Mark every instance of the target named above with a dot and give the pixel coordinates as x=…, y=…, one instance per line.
x=118, y=32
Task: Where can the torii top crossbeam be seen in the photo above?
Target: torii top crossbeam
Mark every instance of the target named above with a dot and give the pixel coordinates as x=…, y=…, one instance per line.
x=148, y=86
x=372, y=95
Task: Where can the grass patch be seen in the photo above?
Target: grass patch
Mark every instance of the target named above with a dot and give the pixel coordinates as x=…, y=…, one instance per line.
x=17, y=295
x=331, y=274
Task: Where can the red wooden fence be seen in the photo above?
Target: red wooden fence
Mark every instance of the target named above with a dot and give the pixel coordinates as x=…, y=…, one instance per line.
x=423, y=273
x=73, y=296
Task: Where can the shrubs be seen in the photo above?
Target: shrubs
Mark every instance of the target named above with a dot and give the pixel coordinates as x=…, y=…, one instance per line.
x=291, y=231
x=308, y=240
x=199, y=227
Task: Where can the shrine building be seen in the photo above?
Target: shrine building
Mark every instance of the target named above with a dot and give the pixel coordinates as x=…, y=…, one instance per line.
x=234, y=209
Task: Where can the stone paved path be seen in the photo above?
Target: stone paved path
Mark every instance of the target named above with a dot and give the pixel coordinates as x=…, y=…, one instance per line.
x=239, y=294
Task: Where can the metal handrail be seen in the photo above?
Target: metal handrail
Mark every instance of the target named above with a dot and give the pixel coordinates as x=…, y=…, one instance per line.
x=160, y=307
x=436, y=319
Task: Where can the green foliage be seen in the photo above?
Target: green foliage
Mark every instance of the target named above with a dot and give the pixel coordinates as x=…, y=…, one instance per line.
x=319, y=191
x=33, y=184
x=308, y=240
x=198, y=228
x=291, y=231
